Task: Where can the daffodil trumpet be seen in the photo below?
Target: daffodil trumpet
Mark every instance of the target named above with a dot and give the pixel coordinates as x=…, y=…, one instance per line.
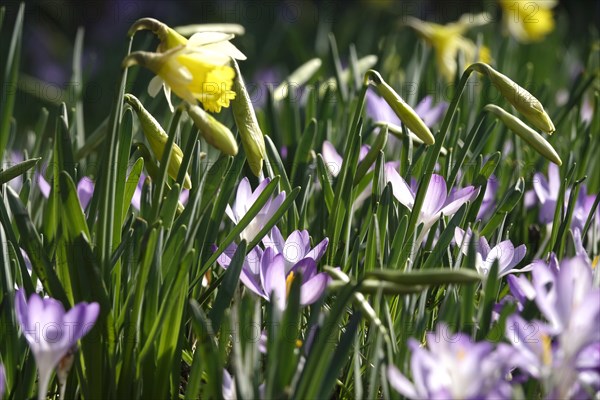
x=195, y=69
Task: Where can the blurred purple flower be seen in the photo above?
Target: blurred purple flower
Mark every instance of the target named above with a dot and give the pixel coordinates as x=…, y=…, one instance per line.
x=136, y=199
x=244, y=199
x=546, y=191
x=269, y=273
x=583, y=208
x=563, y=374
x=14, y=158
x=568, y=300
x=504, y=252
x=85, y=189
x=2, y=380
x=50, y=331
x=436, y=203
x=454, y=368
x=333, y=161
x=489, y=199
x=38, y=284
x=228, y=386
x=521, y=288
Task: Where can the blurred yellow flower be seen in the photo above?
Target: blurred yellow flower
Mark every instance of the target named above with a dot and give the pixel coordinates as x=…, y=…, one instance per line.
x=448, y=40
x=528, y=20
x=194, y=69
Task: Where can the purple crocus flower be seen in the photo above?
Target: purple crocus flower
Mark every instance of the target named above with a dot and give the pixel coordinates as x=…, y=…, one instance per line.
x=51, y=332
x=436, y=203
x=568, y=300
x=507, y=255
x=136, y=199
x=333, y=161
x=228, y=388
x=563, y=374
x=244, y=199
x=546, y=191
x=489, y=199
x=583, y=208
x=453, y=367
x=85, y=189
x=295, y=248
x=269, y=273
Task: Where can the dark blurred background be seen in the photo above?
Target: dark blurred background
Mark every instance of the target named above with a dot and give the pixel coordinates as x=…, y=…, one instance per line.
x=280, y=35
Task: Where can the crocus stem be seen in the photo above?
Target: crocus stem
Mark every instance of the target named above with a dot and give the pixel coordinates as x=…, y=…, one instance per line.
x=434, y=152
x=43, y=382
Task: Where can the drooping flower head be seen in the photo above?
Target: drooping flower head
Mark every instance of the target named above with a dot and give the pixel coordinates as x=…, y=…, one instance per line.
x=507, y=255
x=454, y=367
x=195, y=69
x=50, y=331
x=448, y=41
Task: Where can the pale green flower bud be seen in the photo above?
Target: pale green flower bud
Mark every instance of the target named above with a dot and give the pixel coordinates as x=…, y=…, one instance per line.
x=214, y=132
x=245, y=119
x=157, y=138
x=533, y=139
x=406, y=114
x=523, y=101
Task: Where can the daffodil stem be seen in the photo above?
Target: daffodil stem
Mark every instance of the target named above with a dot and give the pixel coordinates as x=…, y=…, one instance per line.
x=164, y=165
x=434, y=152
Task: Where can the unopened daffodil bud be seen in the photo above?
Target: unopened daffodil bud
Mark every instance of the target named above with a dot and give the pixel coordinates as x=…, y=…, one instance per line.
x=214, y=132
x=157, y=138
x=533, y=139
x=245, y=119
x=406, y=114
x=523, y=101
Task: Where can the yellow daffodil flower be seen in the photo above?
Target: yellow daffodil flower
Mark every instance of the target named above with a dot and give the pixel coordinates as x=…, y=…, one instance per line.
x=195, y=69
x=448, y=40
x=528, y=20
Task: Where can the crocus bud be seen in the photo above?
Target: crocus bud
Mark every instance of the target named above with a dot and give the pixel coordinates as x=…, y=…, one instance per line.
x=519, y=97
x=157, y=138
x=406, y=114
x=530, y=136
x=168, y=37
x=245, y=119
x=214, y=132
